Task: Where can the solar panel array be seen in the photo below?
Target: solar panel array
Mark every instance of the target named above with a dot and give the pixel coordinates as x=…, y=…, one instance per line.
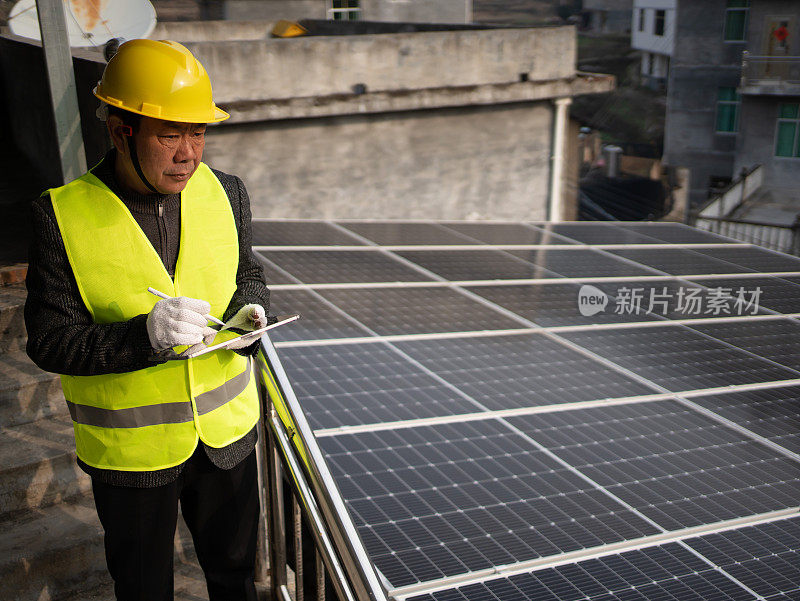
x=539, y=411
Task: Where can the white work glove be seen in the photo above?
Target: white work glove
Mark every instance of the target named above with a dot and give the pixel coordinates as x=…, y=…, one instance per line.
x=249, y=318
x=179, y=320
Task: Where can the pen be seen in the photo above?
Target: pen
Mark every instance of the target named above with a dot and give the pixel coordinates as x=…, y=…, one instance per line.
x=162, y=295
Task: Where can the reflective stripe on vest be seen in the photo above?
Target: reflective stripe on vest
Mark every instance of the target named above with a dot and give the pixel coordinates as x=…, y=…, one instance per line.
x=162, y=413
x=152, y=418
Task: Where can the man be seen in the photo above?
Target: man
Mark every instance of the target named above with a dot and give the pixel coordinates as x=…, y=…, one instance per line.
x=153, y=430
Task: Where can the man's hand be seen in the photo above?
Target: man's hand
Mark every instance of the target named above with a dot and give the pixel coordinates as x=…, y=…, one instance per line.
x=248, y=318
x=179, y=320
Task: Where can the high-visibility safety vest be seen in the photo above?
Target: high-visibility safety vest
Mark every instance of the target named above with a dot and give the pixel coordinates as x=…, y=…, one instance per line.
x=152, y=418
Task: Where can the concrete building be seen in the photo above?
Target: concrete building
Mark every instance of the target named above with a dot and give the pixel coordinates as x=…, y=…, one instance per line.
x=608, y=16
x=734, y=93
x=410, y=11
x=653, y=34
x=448, y=124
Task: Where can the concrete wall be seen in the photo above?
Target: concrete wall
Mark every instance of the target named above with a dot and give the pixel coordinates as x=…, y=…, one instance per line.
x=274, y=10
x=757, y=144
x=471, y=162
x=212, y=31
x=702, y=63
x=757, y=31
x=322, y=66
x=609, y=16
x=417, y=11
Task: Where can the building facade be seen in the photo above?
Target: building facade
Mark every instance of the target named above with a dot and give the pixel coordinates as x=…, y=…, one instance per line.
x=653, y=35
x=608, y=16
x=733, y=98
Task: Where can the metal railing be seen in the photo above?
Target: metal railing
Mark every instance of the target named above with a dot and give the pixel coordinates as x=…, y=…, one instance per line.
x=783, y=238
x=770, y=70
x=289, y=454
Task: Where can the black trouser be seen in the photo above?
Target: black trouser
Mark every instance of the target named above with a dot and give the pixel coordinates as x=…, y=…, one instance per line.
x=221, y=509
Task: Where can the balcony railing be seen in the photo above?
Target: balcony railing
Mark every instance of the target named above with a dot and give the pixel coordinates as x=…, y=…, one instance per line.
x=770, y=74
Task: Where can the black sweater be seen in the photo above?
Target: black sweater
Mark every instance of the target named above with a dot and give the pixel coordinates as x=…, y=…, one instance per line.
x=63, y=338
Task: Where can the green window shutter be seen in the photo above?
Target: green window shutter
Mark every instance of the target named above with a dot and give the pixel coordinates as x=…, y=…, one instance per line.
x=788, y=111
x=785, y=144
x=735, y=25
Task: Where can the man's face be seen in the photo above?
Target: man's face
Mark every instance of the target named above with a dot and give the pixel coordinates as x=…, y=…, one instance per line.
x=169, y=152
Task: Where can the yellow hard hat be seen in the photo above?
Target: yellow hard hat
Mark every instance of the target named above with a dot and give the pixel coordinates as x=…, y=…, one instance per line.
x=160, y=79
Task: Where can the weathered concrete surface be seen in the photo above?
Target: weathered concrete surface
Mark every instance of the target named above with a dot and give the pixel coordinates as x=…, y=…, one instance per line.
x=701, y=64
x=417, y=11
x=213, y=31
x=757, y=142
x=274, y=10
x=381, y=102
x=323, y=66
x=471, y=162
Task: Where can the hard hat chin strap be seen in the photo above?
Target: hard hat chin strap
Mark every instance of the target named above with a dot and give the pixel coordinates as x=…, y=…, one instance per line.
x=128, y=134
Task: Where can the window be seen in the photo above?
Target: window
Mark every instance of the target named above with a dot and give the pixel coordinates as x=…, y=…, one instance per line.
x=344, y=10
x=642, y=14
x=736, y=20
x=787, y=138
x=728, y=102
x=661, y=17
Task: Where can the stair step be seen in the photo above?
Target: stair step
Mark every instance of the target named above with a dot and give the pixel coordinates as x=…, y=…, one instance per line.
x=27, y=393
x=38, y=466
x=56, y=554
x=12, y=323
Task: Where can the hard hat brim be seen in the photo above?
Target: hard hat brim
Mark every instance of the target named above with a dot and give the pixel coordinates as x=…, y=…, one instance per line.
x=219, y=114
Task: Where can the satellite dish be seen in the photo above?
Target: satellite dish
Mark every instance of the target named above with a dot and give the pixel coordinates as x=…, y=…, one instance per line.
x=89, y=22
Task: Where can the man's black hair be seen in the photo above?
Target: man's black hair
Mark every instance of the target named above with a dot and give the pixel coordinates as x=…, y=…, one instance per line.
x=128, y=118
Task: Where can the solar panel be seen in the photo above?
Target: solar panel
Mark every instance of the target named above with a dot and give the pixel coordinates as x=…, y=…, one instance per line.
x=350, y=384
x=677, y=467
x=555, y=304
x=318, y=320
x=549, y=446
x=464, y=265
x=416, y=310
x=772, y=413
x=340, y=266
x=299, y=233
x=580, y=263
x=507, y=372
x=507, y=233
x=437, y=501
x=679, y=358
x=679, y=261
x=667, y=572
x=398, y=233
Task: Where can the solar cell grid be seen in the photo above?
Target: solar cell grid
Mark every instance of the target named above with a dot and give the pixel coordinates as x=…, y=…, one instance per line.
x=272, y=275
x=675, y=233
x=596, y=233
x=317, y=319
x=674, y=465
x=679, y=261
x=507, y=372
x=398, y=234
x=507, y=233
x=669, y=572
x=774, y=293
x=352, y=384
x=490, y=498
x=343, y=266
x=299, y=233
x=460, y=265
x=580, y=263
x=415, y=310
x=773, y=413
x=554, y=304
x=766, y=557
x=776, y=339
x=678, y=358
x=753, y=257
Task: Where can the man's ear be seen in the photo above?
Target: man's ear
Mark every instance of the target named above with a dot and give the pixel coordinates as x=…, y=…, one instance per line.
x=118, y=132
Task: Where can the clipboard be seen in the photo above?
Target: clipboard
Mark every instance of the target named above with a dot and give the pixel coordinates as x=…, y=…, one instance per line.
x=249, y=336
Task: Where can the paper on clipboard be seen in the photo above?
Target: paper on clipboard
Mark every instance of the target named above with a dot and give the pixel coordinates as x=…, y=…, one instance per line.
x=251, y=336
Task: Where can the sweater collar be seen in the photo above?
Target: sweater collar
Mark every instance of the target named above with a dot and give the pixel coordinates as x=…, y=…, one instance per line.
x=136, y=203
